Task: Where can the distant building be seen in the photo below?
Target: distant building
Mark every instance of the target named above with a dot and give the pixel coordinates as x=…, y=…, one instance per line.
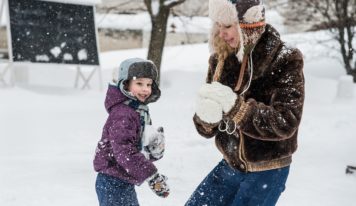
x=124, y=31
x=188, y=8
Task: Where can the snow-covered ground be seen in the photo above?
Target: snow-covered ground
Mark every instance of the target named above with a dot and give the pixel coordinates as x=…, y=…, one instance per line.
x=49, y=131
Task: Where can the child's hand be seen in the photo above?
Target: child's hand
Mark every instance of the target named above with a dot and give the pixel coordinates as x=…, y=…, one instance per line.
x=158, y=184
x=154, y=145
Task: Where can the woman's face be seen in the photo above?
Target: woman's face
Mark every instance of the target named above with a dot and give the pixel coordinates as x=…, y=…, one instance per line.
x=229, y=34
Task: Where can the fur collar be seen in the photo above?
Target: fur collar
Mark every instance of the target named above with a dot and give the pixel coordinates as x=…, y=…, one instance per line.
x=265, y=50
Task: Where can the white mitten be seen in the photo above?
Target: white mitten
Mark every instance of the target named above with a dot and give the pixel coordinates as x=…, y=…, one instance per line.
x=153, y=142
x=208, y=110
x=219, y=93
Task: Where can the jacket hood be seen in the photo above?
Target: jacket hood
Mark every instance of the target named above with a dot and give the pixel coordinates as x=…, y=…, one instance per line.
x=114, y=96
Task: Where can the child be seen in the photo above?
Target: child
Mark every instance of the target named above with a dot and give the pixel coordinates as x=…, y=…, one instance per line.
x=123, y=158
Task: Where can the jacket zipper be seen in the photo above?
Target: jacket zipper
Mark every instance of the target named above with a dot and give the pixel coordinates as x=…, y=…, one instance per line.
x=241, y=152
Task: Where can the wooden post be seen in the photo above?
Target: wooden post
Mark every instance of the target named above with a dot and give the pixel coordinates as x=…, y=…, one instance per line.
x=86, y=79
x=8, y=63
x=2, y=7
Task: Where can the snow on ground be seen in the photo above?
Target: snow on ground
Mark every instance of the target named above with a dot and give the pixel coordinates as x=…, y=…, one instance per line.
x=49, y=132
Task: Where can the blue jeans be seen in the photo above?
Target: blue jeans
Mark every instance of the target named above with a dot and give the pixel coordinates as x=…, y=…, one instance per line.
x=112, y=191
x=225, y=186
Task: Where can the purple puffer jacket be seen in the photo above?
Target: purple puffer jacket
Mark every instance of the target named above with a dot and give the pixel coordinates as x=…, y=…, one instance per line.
x=117, y=153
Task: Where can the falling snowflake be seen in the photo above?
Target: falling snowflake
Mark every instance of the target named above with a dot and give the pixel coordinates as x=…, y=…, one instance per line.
x=83, y=54
x=56, y=51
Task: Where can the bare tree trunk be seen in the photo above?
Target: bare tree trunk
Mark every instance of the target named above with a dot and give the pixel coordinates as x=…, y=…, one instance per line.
x=159, y=21
x=339, y=17
x=158, y=38
x=345, y=35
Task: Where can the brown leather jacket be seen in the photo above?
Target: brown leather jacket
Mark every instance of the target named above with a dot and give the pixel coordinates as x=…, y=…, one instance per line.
x=268, y=114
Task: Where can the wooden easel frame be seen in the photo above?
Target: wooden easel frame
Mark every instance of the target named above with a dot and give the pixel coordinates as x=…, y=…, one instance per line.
x=86, y=79
x=80, y=75
x=8, y=64
x=3, y=73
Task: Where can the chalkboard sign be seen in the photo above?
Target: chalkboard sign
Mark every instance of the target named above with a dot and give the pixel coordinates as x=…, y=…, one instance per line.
x=50, y=32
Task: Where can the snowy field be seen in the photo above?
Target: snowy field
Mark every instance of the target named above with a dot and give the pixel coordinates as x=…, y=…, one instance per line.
x=49, y=132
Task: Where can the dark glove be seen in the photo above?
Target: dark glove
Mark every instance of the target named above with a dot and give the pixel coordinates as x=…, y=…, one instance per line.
x=158, y=184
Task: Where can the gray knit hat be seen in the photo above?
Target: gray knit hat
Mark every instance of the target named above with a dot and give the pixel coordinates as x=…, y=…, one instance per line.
x=134, y=68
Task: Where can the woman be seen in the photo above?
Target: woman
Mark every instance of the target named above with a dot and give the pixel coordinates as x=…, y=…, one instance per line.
x=252, y=103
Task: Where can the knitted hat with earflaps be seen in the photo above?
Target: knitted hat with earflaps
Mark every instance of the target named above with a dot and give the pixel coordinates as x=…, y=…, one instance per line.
x=250, y=16
x=134, y=68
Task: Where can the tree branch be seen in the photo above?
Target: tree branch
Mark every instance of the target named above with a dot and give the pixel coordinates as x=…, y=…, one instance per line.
x=148, y=4
x=173, y=3
x=278, y=4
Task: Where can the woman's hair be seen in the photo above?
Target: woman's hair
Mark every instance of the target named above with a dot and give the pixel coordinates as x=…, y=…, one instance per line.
x=222, y=50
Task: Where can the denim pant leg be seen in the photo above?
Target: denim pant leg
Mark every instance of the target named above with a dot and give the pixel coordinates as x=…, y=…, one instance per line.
x=218, y=188
x=112, y=191
x=262, y=188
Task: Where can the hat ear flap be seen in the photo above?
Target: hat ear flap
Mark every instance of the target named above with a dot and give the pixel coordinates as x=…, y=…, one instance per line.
x=254, y=14
x=115, y=76
x=213, y=32
x=240, y=53
x=156, y=93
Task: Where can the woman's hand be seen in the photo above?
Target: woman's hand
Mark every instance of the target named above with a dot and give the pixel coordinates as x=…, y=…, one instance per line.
x=209, y=110
x=219, y=93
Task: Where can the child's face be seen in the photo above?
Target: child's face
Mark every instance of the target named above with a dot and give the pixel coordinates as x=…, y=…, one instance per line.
x=141, y=88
